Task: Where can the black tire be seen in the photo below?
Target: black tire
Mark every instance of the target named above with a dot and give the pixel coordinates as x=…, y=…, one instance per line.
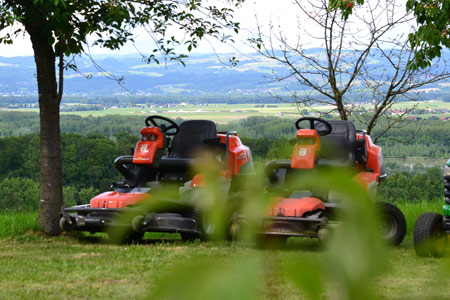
x=65, y=226
x=193, y=214
x=393, y=223
x=208, y=229
x=429, y=238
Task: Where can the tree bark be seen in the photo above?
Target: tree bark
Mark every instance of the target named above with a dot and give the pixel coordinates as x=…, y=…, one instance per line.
x=51, y=197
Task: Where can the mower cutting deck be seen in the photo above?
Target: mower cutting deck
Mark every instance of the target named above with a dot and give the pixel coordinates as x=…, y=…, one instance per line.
x=158, y=179
x=299, y=210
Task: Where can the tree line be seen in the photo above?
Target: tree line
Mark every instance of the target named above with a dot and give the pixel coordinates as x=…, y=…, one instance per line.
x=424, y=138
x=88, y=162
x=87, y=168
x=122, y=101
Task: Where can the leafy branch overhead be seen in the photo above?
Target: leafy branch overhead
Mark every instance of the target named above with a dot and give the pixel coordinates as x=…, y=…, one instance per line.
x=346, y=6
x=72, y=26
x=432, y=34
x=60, y=28
x=433, y=18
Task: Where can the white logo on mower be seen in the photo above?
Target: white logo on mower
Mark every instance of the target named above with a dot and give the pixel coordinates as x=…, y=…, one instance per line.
x=143, y=148
x=302, y=151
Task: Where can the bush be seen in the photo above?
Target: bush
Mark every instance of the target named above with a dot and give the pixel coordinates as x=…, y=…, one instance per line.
x=74, y=196
x=19, y=194
x=418, y=187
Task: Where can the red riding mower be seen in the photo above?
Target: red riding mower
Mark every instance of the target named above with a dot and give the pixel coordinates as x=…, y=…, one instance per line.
x=158, y=179
x=303, y=211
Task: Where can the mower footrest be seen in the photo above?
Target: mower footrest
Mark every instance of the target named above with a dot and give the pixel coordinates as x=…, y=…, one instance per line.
x=97, y=223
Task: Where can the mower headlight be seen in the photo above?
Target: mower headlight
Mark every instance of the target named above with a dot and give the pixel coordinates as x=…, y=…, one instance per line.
x=148, y=137
x=447, y=169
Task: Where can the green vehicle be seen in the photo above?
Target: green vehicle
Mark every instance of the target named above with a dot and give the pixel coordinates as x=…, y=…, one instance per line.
x=432, y=229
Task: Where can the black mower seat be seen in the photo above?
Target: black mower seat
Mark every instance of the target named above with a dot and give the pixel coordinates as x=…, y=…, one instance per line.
x=192, y=136
x=339, y=147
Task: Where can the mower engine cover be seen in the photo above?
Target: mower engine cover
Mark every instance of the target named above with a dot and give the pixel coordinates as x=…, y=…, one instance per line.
x=295, y=207
x=239, y=158
x=150, y=148
x=305, y=151
x=119, y=200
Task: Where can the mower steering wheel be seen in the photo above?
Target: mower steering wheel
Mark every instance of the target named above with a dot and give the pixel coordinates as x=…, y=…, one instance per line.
x=327, y=130
x=165, y=129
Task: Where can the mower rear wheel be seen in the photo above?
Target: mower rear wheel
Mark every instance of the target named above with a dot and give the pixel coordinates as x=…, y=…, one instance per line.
x=393, y=223
x=429, y=238
x=206, y=227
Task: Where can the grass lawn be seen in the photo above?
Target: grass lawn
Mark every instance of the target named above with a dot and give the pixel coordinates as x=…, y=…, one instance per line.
x=90, y=267
x=65, y=267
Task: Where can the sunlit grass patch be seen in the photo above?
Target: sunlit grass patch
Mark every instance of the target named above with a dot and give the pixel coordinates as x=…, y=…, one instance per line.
x=412, y=210
x=14, y=224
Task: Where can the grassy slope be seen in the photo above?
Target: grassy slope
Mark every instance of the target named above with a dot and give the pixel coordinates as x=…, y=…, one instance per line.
x=89, y=267
x=63, y=268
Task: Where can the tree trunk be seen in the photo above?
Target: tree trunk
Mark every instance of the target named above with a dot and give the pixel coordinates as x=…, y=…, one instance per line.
x=340, y=105
x=51, y=198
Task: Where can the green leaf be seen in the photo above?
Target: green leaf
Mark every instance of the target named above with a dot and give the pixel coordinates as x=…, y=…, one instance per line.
x=307, y=274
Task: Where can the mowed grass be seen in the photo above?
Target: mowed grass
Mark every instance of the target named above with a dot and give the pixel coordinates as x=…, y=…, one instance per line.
x=84, y=266
x=64, y=268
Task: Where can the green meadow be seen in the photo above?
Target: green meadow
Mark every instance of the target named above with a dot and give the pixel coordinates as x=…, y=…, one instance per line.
x=85, y=266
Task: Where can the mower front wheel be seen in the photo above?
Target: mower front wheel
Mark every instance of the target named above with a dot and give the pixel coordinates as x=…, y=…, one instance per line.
x=393, y=223
x=429, y=238
x=192, y=213
x=67, y=223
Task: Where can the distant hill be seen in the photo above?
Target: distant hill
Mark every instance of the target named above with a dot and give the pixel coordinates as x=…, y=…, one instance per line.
x=203, y=75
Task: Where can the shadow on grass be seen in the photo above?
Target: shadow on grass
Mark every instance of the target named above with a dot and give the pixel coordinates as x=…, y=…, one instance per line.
x=293, y=245
x=102, y=238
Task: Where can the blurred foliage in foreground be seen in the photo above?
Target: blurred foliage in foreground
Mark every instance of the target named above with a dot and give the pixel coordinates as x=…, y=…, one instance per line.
x=353, y=255
x=352, y=265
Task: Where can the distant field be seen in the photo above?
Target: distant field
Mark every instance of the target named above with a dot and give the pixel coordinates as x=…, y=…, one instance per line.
x=413, y=161
x=224, y=113
x=221, y=113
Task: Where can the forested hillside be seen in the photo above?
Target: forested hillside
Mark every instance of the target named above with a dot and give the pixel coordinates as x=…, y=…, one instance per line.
x=204, y=75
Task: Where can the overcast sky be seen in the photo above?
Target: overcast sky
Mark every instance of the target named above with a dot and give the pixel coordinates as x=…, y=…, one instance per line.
x=283, y=13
